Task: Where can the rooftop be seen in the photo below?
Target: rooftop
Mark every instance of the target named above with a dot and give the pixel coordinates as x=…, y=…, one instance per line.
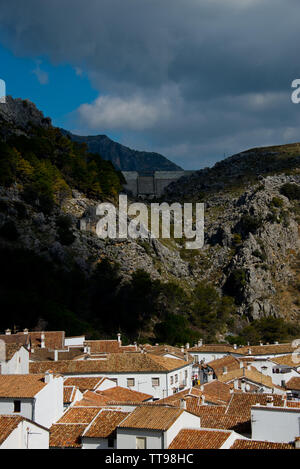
x=113, y=363
x=152, y=418
x=66, y=435
x=255, y=444
x=199, y=439
x=105, y=423
x=21, y=386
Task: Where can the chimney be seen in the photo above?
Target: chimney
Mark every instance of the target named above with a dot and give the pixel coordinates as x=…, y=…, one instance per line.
x=119, y=338
x=297, y=442
x=25, y=331
x=270, y=401
x=182, y=404
x=200, y=343
x=249, y=351
x=8, y=332
x=182, y=349
x=276, y=343
x=186, y=357
x=261, y=343
x=203, y=399
x=42, y=340
x=187, y=346
x=234, y=346
x=136, y=346
x=243, y=385
x=48, y=377
x=236, y=384
x=55, y=355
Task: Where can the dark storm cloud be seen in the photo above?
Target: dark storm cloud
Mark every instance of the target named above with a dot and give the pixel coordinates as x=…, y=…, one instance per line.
x=193, y=79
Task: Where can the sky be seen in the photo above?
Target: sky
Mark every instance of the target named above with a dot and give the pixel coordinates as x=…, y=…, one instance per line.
x=194, y=80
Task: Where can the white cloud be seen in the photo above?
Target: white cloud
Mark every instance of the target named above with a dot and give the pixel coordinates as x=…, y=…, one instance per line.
x=41, y=75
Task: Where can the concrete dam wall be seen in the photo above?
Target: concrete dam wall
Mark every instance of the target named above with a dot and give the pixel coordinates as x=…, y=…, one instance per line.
x=150, y=184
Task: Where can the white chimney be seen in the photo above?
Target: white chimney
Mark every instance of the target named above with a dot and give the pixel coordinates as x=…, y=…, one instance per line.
x=186, y=357
x=42, y=340
x=25, y=331
x=243, y=385
x=249, y=351
x=55, y=355
x=297, y=442
x=236, y=384
x=119, y=338
x=202, y=399
x=48, y=377
x=8, y=332
x=182, y=404
x=261, y=344
x=234, y=346
x=136, y=346
x=200, y=343
x=182, y=349
x=187, y=346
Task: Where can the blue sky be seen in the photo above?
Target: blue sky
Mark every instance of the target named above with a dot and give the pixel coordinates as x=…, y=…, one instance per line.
x=57, y=90
x=193, y=80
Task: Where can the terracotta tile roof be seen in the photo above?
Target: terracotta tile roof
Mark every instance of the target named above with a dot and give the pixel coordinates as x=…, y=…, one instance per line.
x=241, y=403
x=11, y=349
x=105, y=424
x=21, y=339
x=19, y=386
x=164, y=349
x=113, y=363
x=152, y=417
x=43, y=354
x=8, y=423
x=69, y=394
x=252, y=375
x=266, y=349
x=53, y=339
x=103, y=346
x=229, y=362
x=294, y=383
x=119, y=394
x=66, y=436
x=255, y=444
x=218, y=348
x=79, y=415
x=218, y=390
x=175, y=399
x=291, y=360
x=84, y=384
x=199, y=439
x=91, y=399
x=295, y=404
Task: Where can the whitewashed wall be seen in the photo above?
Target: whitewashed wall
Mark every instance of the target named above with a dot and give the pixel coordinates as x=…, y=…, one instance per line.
x=27, y=436
x=277, y=424
x=18, y=364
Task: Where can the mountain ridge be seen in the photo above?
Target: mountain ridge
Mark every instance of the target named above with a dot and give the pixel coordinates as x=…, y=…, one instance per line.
x=123, y=157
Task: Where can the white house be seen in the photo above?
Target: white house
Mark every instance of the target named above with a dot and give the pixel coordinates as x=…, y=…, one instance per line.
x=16, y=432
x=150, y=374
x=14, y=359
x=153, y=427
x=101, y=432
x=276, y=424
x=36, y=397
x=204, y=353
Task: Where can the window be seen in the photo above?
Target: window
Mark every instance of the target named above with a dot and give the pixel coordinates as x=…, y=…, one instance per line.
x=130, y=382
x=17, y=406
x=140, y=443
x=171, y=380
x=110, y=442
x=176, y=378
x=155, y=381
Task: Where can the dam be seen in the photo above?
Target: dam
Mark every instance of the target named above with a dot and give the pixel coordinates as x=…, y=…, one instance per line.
x=150, y=183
